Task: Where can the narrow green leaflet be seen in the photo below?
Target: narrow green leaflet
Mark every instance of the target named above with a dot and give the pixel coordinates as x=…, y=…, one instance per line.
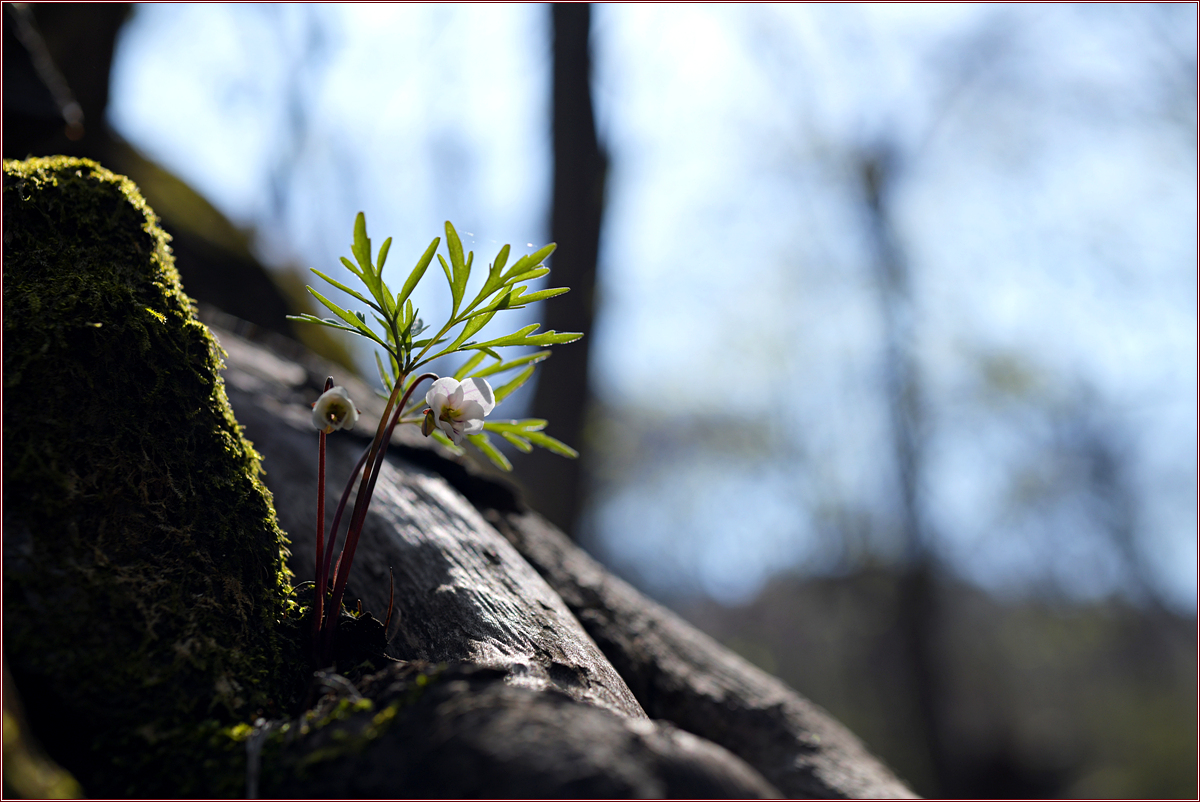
x=540, y=295
x=526, y=262
x=383, y=374
x=518, y=441
x=500, y=367
x=469, y=365
x=447, y=442
x=512, y=339
x=484, y=444
x=505, y=390
x=517, y=426
x=530, y=430
x=473, y=325
x=392, y=324
x=320, y=321
x=347, y=290
x=353, y=268
x=362, y=246
x=454, y=296
x=529, y=276
x=501, y=260
x=346, y=316
x=411, y=283
x=383, y=252
x=523, y=337
x=550, y=444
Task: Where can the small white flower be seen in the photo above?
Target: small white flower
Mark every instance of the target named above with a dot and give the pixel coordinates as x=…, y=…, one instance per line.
x=334, y=410
x=459, y=409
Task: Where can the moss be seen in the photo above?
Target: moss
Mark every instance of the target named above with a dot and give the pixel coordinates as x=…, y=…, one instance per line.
x=144, y=570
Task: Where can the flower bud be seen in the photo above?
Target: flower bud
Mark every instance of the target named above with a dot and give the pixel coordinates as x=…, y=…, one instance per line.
x=428, y=424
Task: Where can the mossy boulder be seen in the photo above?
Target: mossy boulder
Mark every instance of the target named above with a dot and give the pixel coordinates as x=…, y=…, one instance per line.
x=145, y=586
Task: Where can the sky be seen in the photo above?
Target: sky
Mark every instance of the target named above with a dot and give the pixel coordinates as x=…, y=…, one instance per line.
x=1044, y=199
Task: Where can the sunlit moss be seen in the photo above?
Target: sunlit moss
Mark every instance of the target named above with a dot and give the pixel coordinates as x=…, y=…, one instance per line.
x=145, y=573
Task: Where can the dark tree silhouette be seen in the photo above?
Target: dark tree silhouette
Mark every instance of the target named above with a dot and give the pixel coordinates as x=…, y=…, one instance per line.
x=580, y=165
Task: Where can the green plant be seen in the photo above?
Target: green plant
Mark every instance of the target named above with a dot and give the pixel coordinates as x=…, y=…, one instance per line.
x=457, y=405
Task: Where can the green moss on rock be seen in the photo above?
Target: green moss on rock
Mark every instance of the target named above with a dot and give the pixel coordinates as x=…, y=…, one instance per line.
x=144, y=570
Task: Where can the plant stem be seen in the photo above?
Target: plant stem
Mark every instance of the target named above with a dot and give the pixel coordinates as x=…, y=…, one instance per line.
x=324, y=566
x=318, y=591
x=318, y=594
x=361, y=502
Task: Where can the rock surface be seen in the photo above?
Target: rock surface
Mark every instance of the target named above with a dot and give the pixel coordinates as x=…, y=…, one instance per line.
x=151, y=627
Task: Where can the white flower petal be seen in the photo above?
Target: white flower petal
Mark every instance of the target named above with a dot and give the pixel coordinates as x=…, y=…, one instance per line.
x=441, y=388
x=471, y=410
x=456, y=398
x=438, y=397
x=334, y=410
x=453, y=430
x=473, y=426
x=479, y=390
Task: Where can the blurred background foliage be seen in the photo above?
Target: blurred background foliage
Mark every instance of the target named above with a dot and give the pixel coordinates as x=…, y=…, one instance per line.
x=890, y=382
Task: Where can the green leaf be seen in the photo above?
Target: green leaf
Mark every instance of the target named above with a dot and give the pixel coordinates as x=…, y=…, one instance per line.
x=385, y=296
x=353, y=268
x=474, y=324
x=524, y=337
x=383, y=252
x=540, y=295
x=347, y=290
x=501, y=301
x=550, y=444
x=410, y=316
x=362, y=246
x=383, y=376
x=530, y=275
x=493, y=282
x=359, y=326
x=501, y=260
x=460, y=269
x=553, y=338
x=516, y=338
x=516, y=426
x=526, y=262
x=506, y=389
x=518, y=441
x=454, y=246
x=438, y=435
x=534, y=358
x=484, y=444
x=418, y=271
x=333, y=324
x=455, y=297
x=469, y=365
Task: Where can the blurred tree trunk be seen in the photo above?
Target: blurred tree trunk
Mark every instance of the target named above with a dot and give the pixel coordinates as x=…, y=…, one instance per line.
x=916, y=614
x=555, y=485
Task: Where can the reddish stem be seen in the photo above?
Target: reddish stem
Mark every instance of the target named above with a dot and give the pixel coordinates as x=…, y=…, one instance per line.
x=318, y=595
x=361, y=502
x=318, y=591
x=323, y=577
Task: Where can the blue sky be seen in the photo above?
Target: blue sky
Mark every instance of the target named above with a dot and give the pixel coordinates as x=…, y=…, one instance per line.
x=1046, y=204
